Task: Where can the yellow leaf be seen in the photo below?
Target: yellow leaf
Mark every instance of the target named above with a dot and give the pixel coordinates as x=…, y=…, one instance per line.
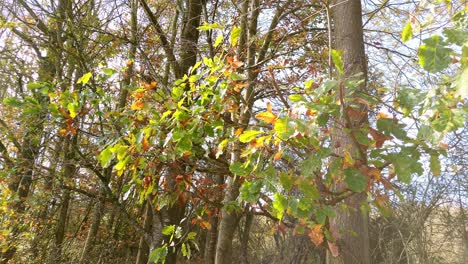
x=268, y=117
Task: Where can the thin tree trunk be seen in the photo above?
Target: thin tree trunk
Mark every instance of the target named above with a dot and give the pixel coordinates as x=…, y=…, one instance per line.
x=69, y=170
x=96, y=220
x=348, y=33
x=143, y=247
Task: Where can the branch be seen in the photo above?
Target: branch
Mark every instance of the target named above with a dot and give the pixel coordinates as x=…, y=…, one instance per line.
x=165, y=43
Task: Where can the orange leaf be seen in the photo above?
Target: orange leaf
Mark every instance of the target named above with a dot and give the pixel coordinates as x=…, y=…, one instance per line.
x=382, y=115
x=63, y=131
x=145, y=144
x=316, y=235
x=278, y=155
x=137, y=105
x=205, y=225
x=268, y=117
x=234, y=63
x=238, y=131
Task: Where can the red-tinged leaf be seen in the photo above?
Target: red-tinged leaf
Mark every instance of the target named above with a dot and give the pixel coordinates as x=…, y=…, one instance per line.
x=333, y=249
x=443, y=146
x=269, y=109
x=379, y=137
x=268, y=117
x=316, y=235
x=354, y=114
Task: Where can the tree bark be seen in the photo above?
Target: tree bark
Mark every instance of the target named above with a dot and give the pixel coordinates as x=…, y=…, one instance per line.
x=143, y=247
x=348, y=37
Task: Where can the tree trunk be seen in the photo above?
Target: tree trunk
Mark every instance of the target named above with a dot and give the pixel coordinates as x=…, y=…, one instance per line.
x=143, y=247
x=69, y=170
x=348, y=34
x=97, y=216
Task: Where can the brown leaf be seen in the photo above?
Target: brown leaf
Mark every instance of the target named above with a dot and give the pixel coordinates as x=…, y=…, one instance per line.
x=354, y=114
x=333, y=249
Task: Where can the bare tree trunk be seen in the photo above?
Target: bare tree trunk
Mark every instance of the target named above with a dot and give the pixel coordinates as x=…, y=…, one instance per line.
x=97, y=217
x=348, y=33
x=143, y=247
x=69, y=170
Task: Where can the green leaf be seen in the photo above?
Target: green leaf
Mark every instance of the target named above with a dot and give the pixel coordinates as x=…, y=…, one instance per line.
x=13, y=101
x=250, y=191
x=297, y=98
x=279, y=205
x=355, y=180
x=322, y=214
x=177, y=92
x=239, y=169
x=311, y=165
x=390, y=126
x=108, y=71
x=456, y=36
x=158, y=255
x=235, y=34
x=185, y=144
x=284, y=128
x=462, y=86
x=434, y=56
x=309, y=190
x=407, y=32
x=337, y=59
x=85, y=78
x=434, y=164
x=286, y=181
x=191, y=236
x=249, y=135
x=406, y=164
x=168, y=230
x=34, y=85
x=105, y=157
